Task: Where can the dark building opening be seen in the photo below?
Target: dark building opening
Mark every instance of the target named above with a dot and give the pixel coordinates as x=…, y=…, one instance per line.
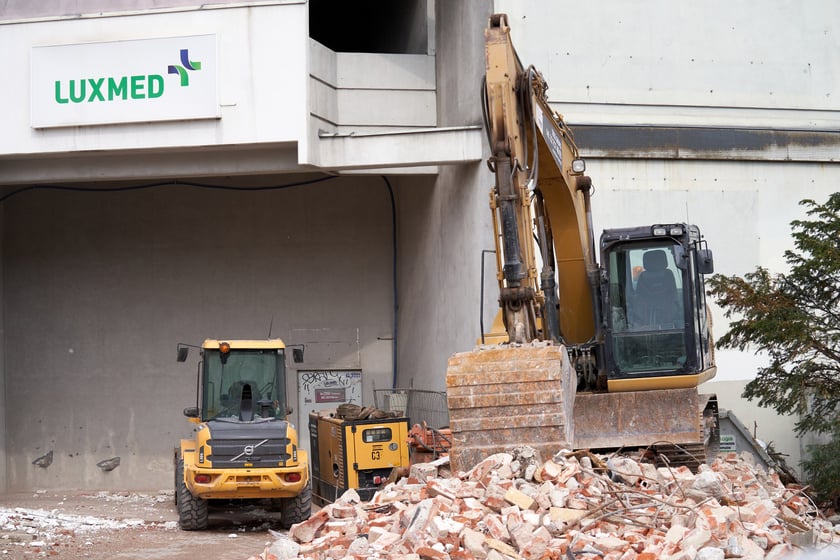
x=370, y=26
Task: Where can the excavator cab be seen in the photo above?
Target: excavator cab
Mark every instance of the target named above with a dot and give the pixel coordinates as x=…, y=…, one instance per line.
x=655, y=307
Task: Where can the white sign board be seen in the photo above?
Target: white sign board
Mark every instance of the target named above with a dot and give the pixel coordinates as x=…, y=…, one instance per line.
x=325, y=390
x=727, y=443
x=166, y=79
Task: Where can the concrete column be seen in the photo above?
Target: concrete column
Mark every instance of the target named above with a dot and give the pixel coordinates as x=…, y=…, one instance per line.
x=444, y=222
x=3, y=485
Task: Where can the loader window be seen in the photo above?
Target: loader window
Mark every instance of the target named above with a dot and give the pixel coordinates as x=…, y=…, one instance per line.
x=249, y=375
x=646, y=308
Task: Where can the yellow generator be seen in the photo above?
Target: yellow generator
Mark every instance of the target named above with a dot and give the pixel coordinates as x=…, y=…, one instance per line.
x=359, y=454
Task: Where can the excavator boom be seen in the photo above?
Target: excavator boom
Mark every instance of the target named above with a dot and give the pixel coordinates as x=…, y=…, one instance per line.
x=539, y=181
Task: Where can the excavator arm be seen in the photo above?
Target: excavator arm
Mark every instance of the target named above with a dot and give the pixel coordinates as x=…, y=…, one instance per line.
x=540, y=204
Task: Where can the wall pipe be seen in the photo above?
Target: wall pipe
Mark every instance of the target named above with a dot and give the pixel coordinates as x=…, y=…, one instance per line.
x=394, y=350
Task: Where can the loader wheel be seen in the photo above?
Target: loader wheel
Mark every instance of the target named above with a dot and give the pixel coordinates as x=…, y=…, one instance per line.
x=192, y=511
x=297, y=509
x=179, y=476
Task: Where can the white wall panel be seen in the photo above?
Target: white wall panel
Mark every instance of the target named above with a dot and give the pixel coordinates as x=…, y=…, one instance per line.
x=398, y=108
x=656, y=52
x=653, y=61
x=385, y=71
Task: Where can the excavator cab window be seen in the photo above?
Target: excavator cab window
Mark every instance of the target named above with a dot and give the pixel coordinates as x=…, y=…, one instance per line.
x=646, y=307
x=247, y=385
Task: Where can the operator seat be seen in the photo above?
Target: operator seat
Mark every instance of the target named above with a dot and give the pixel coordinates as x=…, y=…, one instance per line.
x=656, y=291
x=244, y=396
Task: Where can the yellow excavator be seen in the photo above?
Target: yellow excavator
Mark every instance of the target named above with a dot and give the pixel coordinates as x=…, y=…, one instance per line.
x=581, y=355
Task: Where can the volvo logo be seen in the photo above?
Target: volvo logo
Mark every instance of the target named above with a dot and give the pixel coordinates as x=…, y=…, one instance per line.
x=248, y=450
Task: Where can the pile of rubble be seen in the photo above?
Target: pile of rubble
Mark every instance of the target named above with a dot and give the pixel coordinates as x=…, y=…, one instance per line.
x=575, y=505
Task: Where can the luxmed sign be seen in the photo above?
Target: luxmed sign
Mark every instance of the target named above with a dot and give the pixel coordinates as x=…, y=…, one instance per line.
x=124, y=81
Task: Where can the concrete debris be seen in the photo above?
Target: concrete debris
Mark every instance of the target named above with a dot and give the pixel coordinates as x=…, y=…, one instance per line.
x=44, y=461
x=47, y=531
x=108, y=465
x=574, y=505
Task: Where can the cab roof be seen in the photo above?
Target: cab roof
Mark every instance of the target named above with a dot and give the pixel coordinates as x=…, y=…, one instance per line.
x=270, y=343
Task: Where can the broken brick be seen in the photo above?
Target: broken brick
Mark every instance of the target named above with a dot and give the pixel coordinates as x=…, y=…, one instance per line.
x=305, y=531
x=520, y=499
x=643, y=513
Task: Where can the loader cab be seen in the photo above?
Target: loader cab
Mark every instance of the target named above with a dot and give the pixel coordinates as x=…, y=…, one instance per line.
x=653, y=295
x=241, y=381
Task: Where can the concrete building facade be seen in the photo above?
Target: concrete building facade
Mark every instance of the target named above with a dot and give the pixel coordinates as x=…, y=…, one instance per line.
x=328, y=185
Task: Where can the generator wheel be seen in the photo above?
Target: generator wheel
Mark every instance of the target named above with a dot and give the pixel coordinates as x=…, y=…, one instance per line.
x=297, y=509
x=192, y=511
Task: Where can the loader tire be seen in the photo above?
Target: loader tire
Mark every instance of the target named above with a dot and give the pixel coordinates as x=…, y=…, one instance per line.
x=297, y=509
x=179, y=477
x=192, y=511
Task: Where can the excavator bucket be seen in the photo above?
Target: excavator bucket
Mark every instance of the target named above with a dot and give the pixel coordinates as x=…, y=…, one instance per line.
x=502, y=397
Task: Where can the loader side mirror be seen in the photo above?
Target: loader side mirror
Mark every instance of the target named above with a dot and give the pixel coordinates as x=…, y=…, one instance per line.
x=297, y=355
x=183, y=352
x=705, y=261
x=191, y=412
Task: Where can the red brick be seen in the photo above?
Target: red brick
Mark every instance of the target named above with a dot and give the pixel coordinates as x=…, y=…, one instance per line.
x=428, y=553
x=305, y=531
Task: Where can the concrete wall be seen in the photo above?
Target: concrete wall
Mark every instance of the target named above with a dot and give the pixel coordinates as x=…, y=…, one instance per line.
x=444, y=225
x=667, y=62
x=13, y=9
x=99, y=287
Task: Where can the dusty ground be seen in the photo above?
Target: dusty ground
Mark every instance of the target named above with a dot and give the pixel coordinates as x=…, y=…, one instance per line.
x=126, y=526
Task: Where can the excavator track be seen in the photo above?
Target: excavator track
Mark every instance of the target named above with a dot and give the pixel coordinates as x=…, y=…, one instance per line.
x=692, y=455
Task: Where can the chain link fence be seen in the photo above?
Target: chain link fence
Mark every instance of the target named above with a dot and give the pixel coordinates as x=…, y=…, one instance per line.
x=419, y=405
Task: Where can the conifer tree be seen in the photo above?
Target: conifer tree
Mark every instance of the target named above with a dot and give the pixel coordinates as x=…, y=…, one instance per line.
x=793, y=318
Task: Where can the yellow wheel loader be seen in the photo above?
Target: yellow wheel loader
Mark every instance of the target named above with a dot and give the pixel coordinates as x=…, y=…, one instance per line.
x=243, y=446
x=582, y=354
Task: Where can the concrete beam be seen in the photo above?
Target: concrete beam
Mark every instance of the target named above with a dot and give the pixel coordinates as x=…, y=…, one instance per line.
x=413, y=148
x=707, y=143
x=141, y=165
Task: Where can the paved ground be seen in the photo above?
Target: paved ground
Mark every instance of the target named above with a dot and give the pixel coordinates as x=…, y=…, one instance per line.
x=126, y=526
